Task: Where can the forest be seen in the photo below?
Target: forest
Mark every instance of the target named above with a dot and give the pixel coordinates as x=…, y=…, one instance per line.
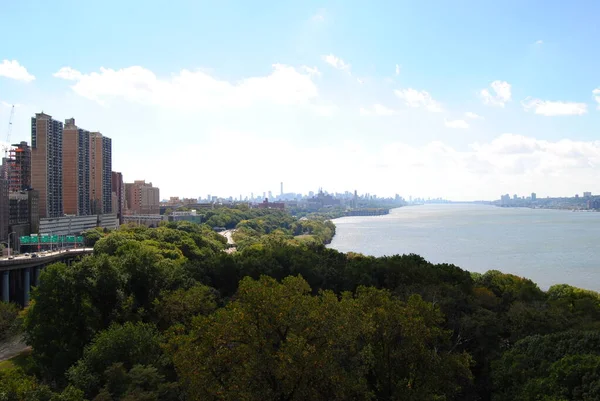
x=165, y=314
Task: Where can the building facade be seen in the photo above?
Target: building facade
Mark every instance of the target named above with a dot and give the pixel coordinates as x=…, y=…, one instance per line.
x=23, y=214
x=118, y=191
x=4, y=210
x=19, y=167
x=142, y=198
x=76, y=169
x=46, y=163
x=100, y=173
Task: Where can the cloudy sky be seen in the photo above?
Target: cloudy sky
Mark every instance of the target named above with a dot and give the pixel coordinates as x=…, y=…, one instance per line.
x=465, y=99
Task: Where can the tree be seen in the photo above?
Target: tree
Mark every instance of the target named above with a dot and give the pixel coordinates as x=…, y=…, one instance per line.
x=540, y=365
x=120, y=347
x=181, y=306
x=60, y=320
x=411, y=352
x=279, y=342
x=90, y=237
x=9, y=321
x=15, y=385
x=274, y=342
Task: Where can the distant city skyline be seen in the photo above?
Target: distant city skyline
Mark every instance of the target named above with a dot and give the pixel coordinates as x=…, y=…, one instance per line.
x=338, y=94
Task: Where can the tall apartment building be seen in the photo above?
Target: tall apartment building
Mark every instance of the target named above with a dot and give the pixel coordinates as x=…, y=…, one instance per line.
x=118, y=190
x=18, y=167
x=76, y=169
x=70, y=168
x=46, y=164
x=142, y=198
x=100, y=173
x=4, y=209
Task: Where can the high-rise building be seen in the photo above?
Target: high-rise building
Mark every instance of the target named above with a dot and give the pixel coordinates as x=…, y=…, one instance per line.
x=19, y=167
x=142, y=198
x=4, y=209
x=70, y=168
x=281, y=189
x=76, y=169
x=46, y=164
x=118, y=190
x=100, y=173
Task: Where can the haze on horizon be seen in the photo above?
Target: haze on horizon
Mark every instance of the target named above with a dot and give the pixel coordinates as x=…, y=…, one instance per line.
x=464, y=102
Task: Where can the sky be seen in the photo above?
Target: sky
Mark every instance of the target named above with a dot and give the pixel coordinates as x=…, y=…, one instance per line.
x=464, y=100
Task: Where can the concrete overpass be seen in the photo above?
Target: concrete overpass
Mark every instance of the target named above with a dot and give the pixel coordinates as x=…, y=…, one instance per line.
x=22, y=272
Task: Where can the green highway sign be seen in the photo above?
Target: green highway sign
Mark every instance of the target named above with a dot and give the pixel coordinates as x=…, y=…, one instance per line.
x=48, y=239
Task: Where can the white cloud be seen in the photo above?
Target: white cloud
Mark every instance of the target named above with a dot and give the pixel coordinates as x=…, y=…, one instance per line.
x=68, y=73
x=473, y=116
x=377, y=110
x=360, y=81
x=550, y=108
x=397, y=69
x=596, y=93
x=456, y=124
x=509, y=163
x=501, y=94
x=415, y=98
x=14, y=70
x=539, y=42
x=311, y=70
x=285, y=85
x=336, y=62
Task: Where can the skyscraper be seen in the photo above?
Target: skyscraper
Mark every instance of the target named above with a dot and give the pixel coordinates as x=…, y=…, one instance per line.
x=118, y=190
x=282, y=189
x=76, y=169
x=46, y=164
x=100, y=173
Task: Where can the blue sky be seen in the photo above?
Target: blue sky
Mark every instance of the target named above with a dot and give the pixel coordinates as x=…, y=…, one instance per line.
x=463, y=99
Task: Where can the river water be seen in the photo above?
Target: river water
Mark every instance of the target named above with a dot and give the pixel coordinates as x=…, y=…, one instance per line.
x=547, y=246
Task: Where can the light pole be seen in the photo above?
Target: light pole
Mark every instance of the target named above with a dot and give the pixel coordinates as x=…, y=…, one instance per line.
x=9, y=242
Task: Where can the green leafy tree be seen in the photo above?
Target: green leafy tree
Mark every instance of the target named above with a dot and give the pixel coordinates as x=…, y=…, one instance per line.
x=274, y=342
x=15, y=385
x=181, y=306
x=9, y=319
x=411, y=351
x=539, y=366
x=60, y=320
x=129, y=345
x=277, y=341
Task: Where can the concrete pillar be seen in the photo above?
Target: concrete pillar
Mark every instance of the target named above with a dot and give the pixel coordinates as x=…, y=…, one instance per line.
x=37, y=276
x=5, y=286
x=26, y=286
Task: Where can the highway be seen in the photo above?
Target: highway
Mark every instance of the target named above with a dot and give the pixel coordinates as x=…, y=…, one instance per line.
x=45, y=254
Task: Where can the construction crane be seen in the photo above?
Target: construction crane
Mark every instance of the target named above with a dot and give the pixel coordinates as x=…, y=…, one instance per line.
x=10, y=121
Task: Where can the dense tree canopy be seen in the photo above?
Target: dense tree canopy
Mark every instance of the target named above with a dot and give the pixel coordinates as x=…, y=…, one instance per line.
x=166, y=313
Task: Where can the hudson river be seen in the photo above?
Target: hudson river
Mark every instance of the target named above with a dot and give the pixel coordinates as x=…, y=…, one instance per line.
x=547, y=246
